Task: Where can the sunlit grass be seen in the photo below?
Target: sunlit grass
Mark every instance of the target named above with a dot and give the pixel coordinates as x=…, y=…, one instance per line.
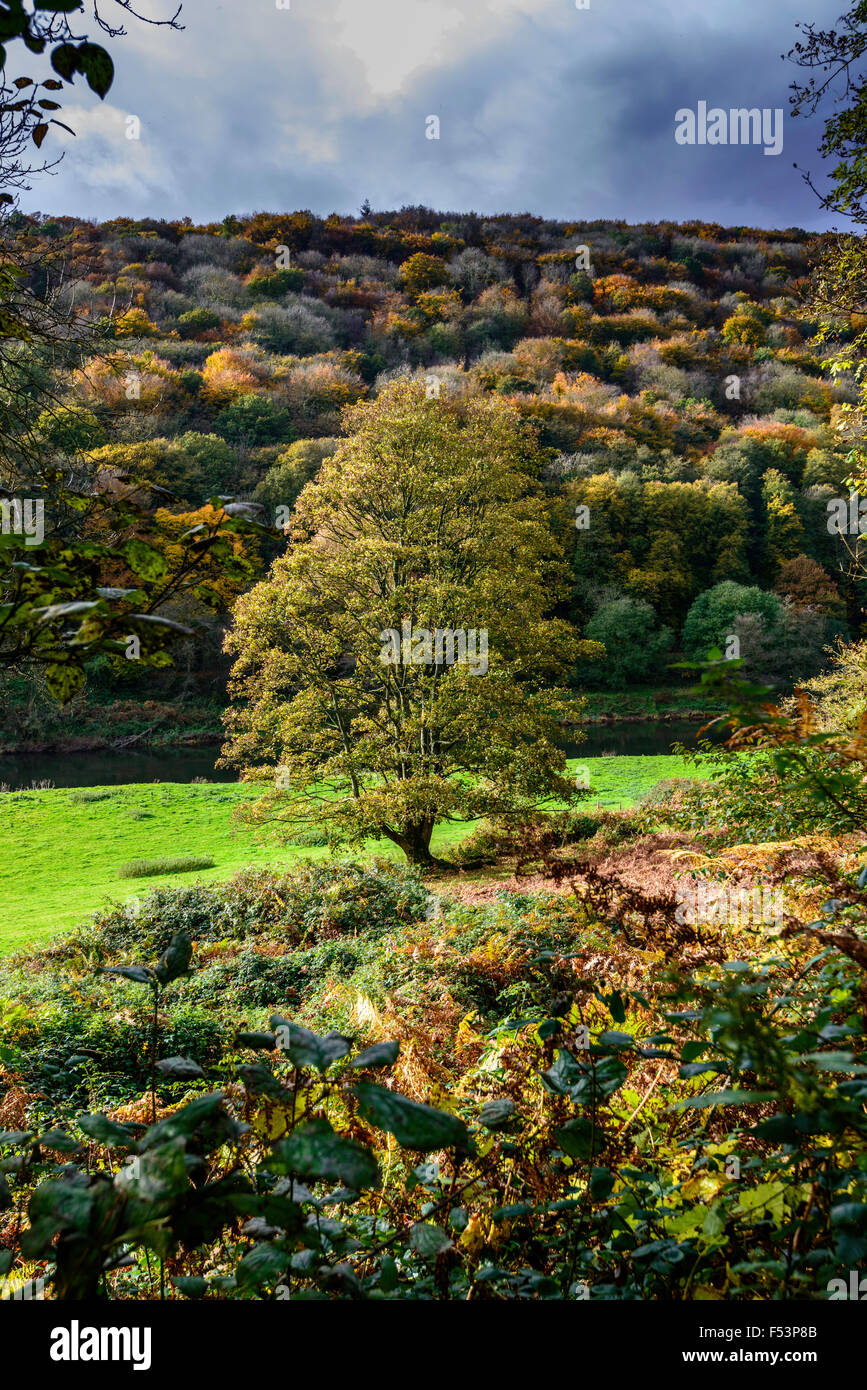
x=63, y=850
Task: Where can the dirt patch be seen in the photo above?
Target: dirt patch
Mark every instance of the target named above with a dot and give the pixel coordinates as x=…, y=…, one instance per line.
x=649, y=863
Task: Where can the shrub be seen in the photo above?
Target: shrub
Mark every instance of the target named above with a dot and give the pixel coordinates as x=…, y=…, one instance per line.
x=253, y=419
x=296, y=328
x=635, y=646
x=72, y=428
x=711, y=618
x=317, y=901
x=135, y=324
x=279, y=283
x=841, y=694
x=421, y=272
x=196, y=321
x=170, y=864
x=295, y=468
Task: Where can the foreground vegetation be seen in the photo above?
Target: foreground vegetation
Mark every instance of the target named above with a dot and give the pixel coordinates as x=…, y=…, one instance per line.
x=347, y=1082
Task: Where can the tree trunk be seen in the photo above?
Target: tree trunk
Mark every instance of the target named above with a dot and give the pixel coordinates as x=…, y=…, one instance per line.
x=415, y=843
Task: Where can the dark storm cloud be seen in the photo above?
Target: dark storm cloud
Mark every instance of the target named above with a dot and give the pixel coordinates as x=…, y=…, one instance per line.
x=569, y=113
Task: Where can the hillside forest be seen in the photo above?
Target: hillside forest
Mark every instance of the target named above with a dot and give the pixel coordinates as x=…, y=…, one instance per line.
x=690, y=434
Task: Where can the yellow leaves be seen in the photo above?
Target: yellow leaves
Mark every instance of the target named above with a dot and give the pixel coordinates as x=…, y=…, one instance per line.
x=768, y=1199
x=498, y=949
x=686, y=1224
x=704, y=1187
x=229, y=373
x=135, y=324
x=366, y=1012
x=273, y=1121
x=466, y=1035
x=744, y=328
x=474, y=1237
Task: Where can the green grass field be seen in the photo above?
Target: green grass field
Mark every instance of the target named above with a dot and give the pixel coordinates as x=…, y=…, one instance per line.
x=62, y=853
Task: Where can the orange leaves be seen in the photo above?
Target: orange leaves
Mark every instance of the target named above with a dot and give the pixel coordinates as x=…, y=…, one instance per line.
x=231, y=372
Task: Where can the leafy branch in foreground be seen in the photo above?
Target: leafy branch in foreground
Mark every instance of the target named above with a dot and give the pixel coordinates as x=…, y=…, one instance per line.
x=48, y=27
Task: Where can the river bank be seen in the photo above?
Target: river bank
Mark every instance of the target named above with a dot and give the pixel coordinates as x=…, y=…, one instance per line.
x=149, y=725
x=196, y=762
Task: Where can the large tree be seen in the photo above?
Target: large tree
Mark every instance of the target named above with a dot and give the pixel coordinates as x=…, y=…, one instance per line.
x=427, y=520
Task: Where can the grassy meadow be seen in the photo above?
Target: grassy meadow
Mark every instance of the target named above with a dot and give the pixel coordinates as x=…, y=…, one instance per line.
x=64, y=848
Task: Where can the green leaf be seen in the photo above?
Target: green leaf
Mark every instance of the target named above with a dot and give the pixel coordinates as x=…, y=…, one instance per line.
x=191, y=1285
x=498, y=1114
x=14, y=1136
x=381, y=1054
x=429, y=1241
x=388, y=1277
x=267, y=1041
x=12, y=22
x=64, y=679
x=183, y=1123
x=577, y=1138
x=144, y=559
x=56, y=1205
x=315, y=1151
x=616, y=1007
x=265, y=1264
x=306, y=1049
x=729, y=1097
x=97, y=67
x=415, y=1126
x=58, y=1140
x=106, y=1132
x=834, y=1061
x=259, y=1080
x=139, y=974
x=66, y=610
x=587, y=1081
x=175, y=960
x=780, y=1129
x=601, y=1184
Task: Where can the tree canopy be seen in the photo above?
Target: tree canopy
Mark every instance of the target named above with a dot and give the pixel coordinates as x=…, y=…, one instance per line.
x=427, y=521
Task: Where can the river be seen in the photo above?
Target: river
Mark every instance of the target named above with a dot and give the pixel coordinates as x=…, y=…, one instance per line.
x=110, y=767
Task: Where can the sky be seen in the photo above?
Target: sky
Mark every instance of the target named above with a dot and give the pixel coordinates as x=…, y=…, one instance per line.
x=542, y=106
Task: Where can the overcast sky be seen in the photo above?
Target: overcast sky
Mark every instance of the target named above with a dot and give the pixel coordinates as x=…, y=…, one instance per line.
x=542, y=107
